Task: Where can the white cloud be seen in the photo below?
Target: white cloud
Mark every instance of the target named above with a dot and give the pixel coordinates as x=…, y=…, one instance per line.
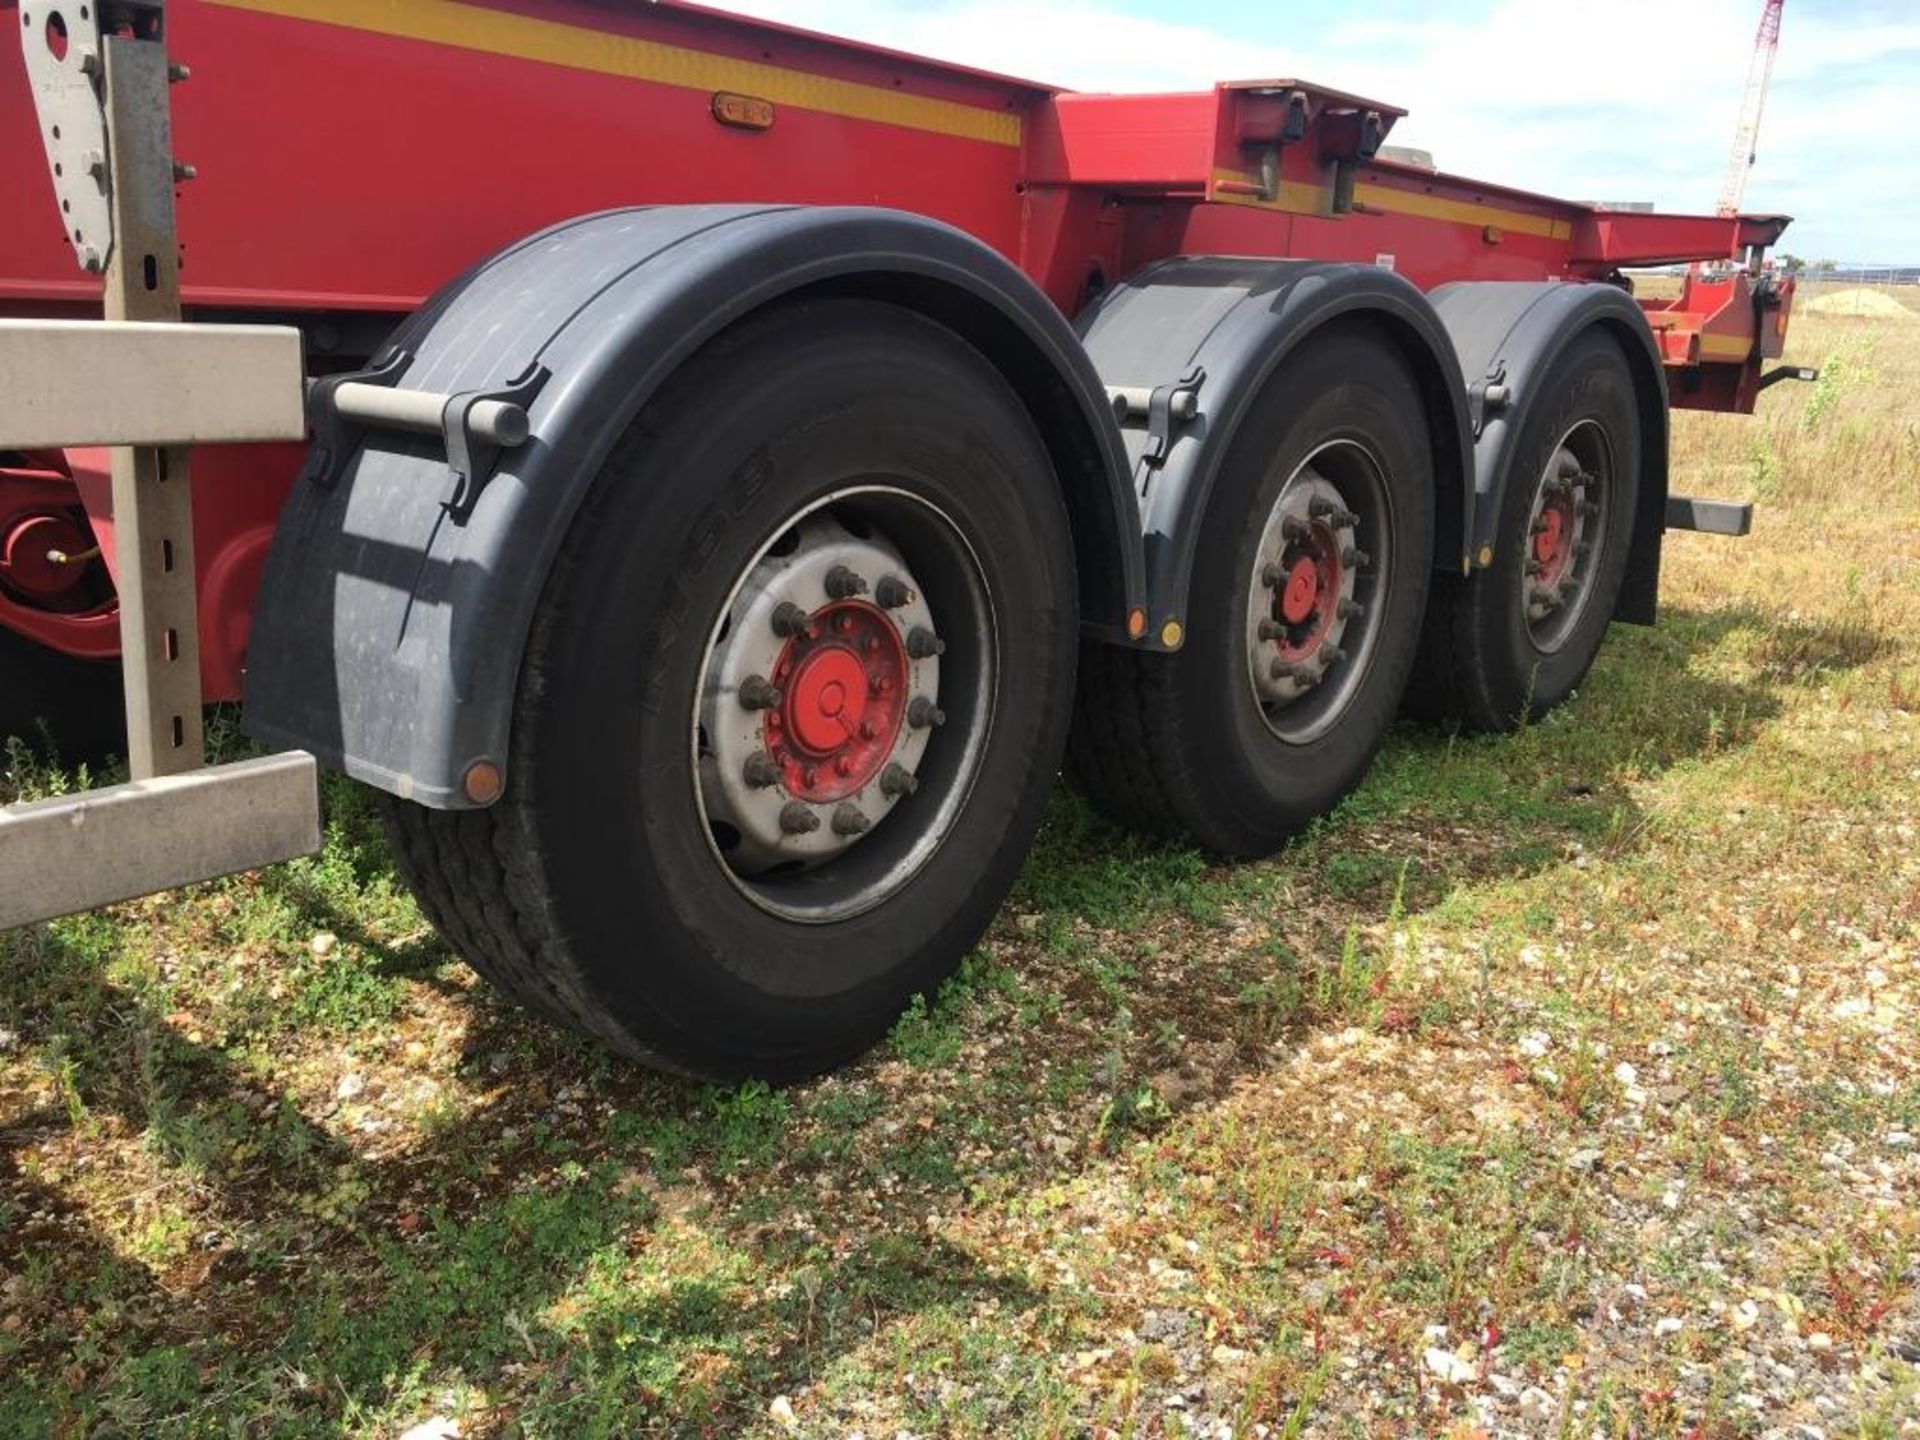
x=1632, y=102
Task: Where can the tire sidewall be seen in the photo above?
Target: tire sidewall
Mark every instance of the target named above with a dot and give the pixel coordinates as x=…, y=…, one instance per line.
x=858, y=391
x=1258, y=788
x=1589, y=381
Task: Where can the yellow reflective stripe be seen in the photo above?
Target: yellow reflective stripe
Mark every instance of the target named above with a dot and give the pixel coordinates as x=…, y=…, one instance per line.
x=1299, y=198
x=1460, y=212
x=521, y=37
x=1726, y=347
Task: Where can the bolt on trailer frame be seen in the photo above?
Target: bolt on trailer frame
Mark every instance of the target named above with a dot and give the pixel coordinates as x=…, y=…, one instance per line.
x=148, y=387
x=571, y=206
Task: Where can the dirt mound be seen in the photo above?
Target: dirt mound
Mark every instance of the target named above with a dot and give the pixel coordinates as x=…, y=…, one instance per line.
x=1859, y=300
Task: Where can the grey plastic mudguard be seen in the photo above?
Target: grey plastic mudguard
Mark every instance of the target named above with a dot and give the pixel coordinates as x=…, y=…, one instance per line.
x=1510, y=333
x=389, y=631
x=1238, y=319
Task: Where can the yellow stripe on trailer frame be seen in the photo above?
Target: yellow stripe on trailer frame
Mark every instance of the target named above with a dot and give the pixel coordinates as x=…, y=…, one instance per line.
x=1299, y=198
x=521, y=37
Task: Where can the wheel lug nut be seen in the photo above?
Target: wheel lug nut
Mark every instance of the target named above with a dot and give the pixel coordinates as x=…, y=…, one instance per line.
x=1535, y=567
x=1273, y=576
x=1589, y=508
x=789, y=619
x=1272, y=630
x=1332, y=654
x=1354, y=558
x=1349, y=609
x=1292, y=527
x=1569, y=467
x=849, y=819
x=896, y=779
x=762, y=771
x=892, y=592
x=798, y=819
x=756, y=693
x=923, y=712
x=844, y=584
x=922, y=642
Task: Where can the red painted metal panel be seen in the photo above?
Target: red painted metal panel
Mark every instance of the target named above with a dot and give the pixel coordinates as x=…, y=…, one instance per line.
x=445, y=154
x=355, y=154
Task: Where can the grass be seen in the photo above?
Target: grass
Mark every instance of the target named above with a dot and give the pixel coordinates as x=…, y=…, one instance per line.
x=1554, y=1086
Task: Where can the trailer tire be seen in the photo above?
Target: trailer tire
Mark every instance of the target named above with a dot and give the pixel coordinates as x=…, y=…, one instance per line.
x=1197, y=744
x=75, y=707
x=1486, y=660
x=626, y=883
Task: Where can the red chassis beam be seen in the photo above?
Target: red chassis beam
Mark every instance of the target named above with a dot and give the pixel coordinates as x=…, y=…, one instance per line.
x=478, y=121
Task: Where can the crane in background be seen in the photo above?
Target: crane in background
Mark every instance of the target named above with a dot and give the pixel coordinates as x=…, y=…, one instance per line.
x=1746, y=135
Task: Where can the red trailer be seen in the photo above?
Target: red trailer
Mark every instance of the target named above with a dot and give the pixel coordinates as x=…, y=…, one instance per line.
x=736, y=464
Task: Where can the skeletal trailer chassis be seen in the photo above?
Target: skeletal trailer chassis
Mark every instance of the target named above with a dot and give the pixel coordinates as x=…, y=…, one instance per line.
x=1201, y=239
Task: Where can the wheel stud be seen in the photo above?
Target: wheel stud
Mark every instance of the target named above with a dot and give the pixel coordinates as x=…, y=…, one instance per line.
x=896, y=780
x=878, y=684
x=757, y=694
x=1569, y=467
x=923, y=712
x=1536, y=567
x=1273, y=576
x=1272, y=630
x=762, y=771
x=789, y=619
x=811, y=775
x=843, y=765
x=1351, y=609
x=892, y=592
x=1337, y=516
x=867, y=732
x=849, y=819
x=844, y=584
x=798, y=819
x=922, y=642
x=1292, y=527
x=1355, y=558
x=1332, y=654
x=1291, y=670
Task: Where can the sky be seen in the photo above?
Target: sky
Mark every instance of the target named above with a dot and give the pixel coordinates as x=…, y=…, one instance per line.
x=1625, y=100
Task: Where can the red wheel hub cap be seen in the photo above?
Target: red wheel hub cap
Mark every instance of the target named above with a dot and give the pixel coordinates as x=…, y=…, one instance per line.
x=1553, y=538
x=1309, y=596
x=844, y=694
x=1303, y=588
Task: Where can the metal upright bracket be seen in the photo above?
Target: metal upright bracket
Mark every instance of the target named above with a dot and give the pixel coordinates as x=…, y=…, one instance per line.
x=152, y=498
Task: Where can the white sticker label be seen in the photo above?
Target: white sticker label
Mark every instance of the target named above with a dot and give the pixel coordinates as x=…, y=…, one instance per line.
x=1383, y=262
